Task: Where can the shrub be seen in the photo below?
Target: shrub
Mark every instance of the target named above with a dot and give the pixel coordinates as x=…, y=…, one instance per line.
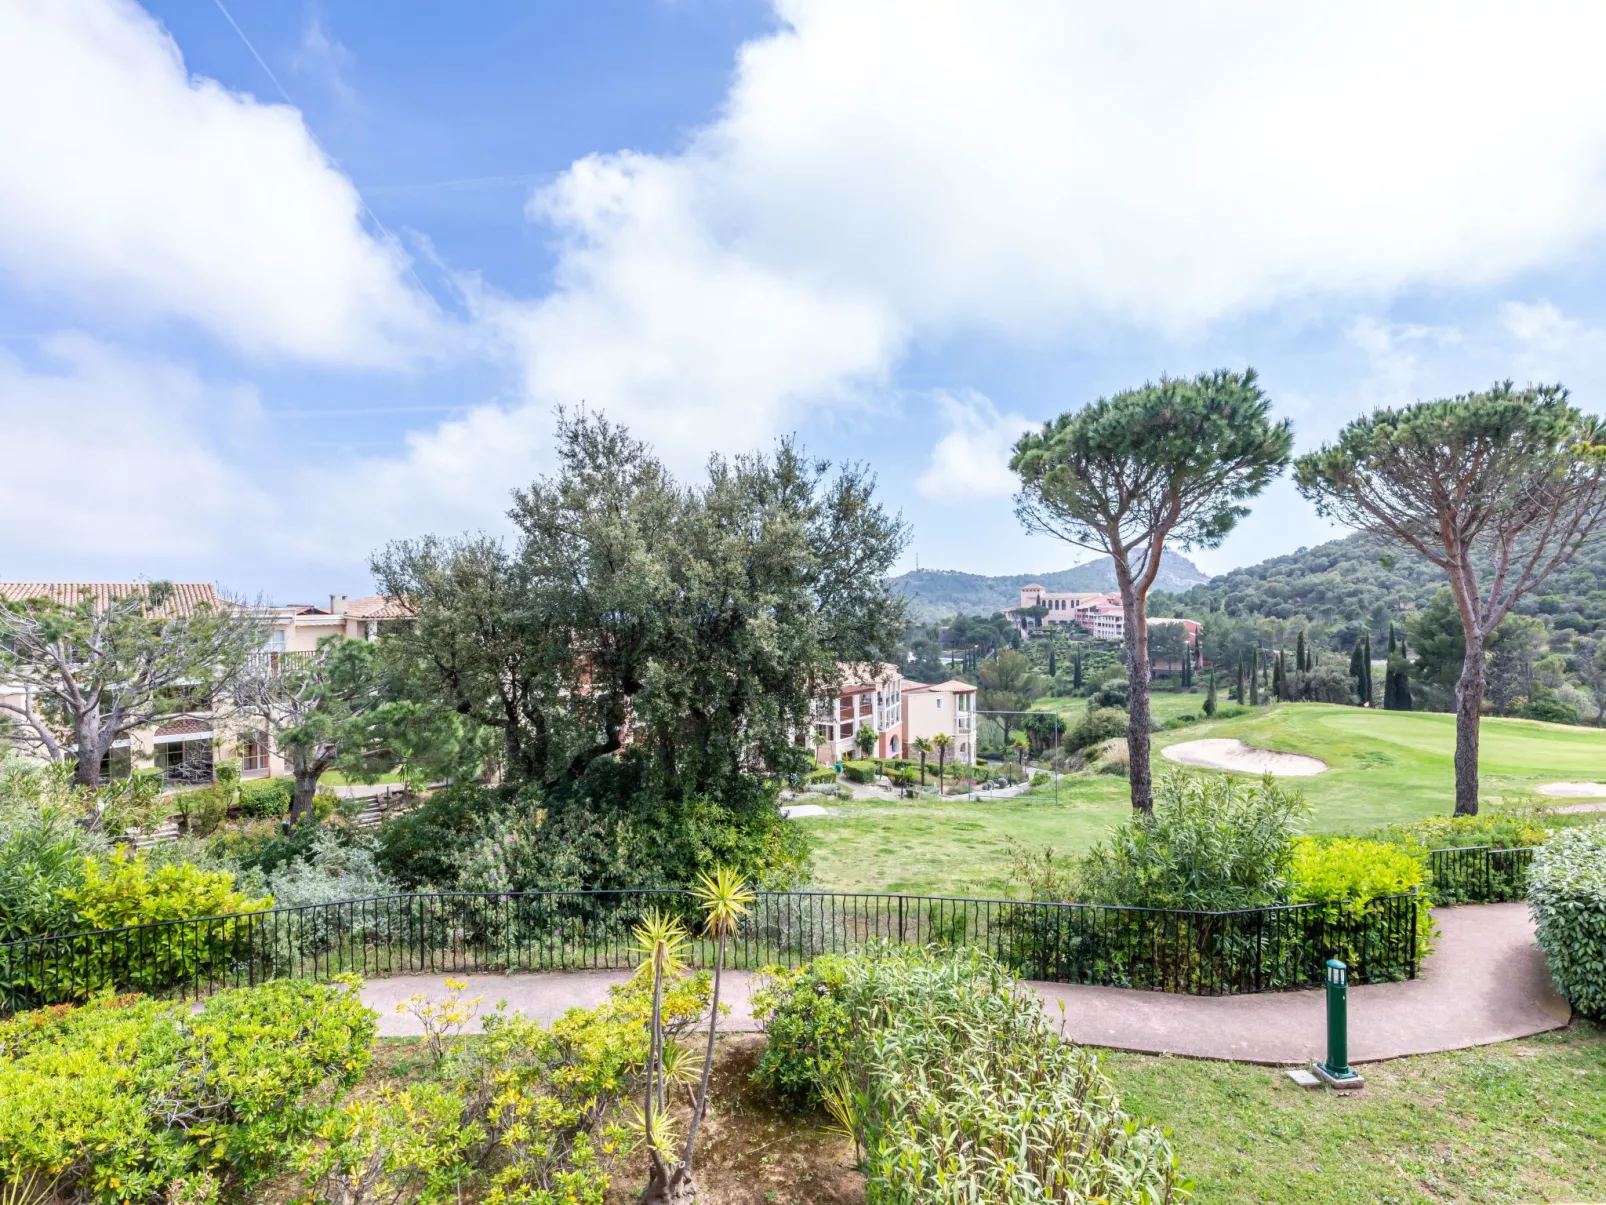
x=807, y=1024
x=1094, y=727
x=859, y=771
x=955, y=1089
x=1347, y=873
x=43, y=852
x=417, y=847
x=1502, y=830
x=545, y=1095
x=402, y=1144
x=1112, y=756
x=266, y=798
x=1567, y=892
x=1112, y=692
x=114, y=1101
x=1551, y=711
x=120, y=891
x=825, y=774
x=335, y=867
x=1213, y=843
x=203, y=809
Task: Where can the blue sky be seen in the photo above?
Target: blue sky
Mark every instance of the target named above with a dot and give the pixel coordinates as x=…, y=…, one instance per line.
x=249, y=340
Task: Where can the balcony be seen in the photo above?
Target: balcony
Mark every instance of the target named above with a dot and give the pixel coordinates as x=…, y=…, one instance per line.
x=272, y=664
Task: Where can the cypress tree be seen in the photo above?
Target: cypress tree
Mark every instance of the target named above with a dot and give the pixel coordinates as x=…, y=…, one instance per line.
x=1076, y=671
x=1052, y=661
x=1254, y=676
x=1299, y=654
x=1278, y=682
x=1210, y=694
x=1366, y=668
x=1356, y=672
x=1238, y=687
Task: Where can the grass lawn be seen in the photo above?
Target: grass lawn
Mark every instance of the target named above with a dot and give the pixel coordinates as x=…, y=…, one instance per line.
x=334, y=778
x=1385, y=766
x=1521, y=1121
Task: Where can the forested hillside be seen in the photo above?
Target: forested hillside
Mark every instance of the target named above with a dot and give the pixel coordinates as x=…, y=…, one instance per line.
x=1360, y=579
x=935, y=594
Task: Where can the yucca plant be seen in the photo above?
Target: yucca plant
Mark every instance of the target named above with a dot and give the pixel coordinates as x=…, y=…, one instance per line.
x=724, y=900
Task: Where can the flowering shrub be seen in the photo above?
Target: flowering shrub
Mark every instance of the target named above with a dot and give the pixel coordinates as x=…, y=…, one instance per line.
x=403, y=1144
x=116, y=1100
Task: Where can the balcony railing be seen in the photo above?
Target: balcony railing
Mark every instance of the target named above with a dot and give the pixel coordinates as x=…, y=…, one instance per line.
x=272, y=664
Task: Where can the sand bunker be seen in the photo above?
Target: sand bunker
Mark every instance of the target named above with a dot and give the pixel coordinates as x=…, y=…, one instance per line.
x=1221, y=754
x=802, y=811
x=1574, y=790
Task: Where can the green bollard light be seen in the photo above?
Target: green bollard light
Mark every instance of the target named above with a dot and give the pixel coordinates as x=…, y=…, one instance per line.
x=1336, y=1071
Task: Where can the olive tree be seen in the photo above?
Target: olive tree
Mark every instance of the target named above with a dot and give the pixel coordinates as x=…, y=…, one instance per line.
x=1125, y=474
x=78, y=676
x=1498, y=489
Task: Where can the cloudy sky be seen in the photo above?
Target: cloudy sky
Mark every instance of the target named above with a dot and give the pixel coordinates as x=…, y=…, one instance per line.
x=281, y=280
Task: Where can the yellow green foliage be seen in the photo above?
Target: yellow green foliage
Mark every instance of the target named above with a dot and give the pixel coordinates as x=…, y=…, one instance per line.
x=1347, y=873
x=402, y=1144
x=116, y=1100
x=120, y=890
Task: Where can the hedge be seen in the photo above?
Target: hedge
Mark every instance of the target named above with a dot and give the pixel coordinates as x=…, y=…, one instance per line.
x=1567, y=892
x=266, y=798
x=860, y=771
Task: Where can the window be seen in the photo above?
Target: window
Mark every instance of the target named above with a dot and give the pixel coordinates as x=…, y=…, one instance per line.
x=964, y=702
x=847, y=731
x=186, y=763
x=118, y=761
x=939, y=702
x=275, y=641
x=253, y=755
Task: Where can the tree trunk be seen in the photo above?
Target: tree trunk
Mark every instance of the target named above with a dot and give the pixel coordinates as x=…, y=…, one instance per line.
x=1137, y=677
x=668, y=1186
x=1468, y=702
x=301, y=799
x=86, y=770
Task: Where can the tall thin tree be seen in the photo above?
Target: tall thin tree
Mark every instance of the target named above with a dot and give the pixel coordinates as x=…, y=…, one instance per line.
x=1498, y=489
x=1122, y=476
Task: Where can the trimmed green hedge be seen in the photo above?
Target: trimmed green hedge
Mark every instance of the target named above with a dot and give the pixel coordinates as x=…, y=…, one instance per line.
x=266, y=798
x=860, y=771
x=1567, y=891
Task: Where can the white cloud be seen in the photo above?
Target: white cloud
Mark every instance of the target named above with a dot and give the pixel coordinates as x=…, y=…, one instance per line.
x=1541, y=325
x=972, y=460
x=141, y=191
x=110, y=464
x=889, y=173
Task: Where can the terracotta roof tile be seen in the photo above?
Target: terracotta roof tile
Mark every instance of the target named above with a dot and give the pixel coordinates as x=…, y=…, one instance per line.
x=187, y=596
x=378, y=606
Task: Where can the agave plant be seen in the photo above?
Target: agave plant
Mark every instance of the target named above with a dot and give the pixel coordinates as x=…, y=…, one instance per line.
x=724, y=900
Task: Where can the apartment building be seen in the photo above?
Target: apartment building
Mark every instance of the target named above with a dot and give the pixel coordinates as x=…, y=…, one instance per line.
x=186, y=745
x=868, y=696
x=948, y=708
x=1100, y=615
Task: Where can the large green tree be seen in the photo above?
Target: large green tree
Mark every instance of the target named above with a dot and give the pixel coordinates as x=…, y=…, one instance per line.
x=1514, y=479
x=1007, y=684
x=85, y=673
x=1169, y=461
x=686, y=629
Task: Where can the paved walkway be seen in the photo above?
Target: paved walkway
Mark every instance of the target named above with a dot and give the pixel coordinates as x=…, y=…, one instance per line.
x=1486, y=982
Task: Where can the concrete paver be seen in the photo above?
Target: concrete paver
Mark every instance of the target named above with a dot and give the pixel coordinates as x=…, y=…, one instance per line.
x=1486, y=982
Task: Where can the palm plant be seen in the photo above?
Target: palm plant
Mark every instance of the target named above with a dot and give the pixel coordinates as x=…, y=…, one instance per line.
x=1020, y=742
x=662, y=940
x=922, y=746
x=942, y=740
x=724, y=899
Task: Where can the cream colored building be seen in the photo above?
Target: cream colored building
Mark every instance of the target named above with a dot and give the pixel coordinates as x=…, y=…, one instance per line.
x=949, y=708
x=186, y=744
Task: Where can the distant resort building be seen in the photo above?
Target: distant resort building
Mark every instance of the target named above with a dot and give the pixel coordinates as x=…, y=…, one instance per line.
x=1098, y=613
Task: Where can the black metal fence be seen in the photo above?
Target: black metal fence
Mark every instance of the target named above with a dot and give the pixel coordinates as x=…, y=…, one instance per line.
x=1479, y=874
x=1204, y=953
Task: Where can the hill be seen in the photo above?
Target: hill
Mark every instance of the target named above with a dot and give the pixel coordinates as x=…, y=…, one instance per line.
x=942, y=593
x=1361, y=579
